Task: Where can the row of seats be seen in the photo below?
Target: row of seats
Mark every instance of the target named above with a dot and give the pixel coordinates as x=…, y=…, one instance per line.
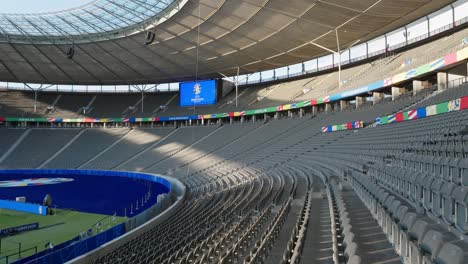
x=411, y=236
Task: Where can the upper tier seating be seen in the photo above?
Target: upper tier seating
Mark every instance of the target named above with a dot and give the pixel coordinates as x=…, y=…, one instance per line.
x=67, y=105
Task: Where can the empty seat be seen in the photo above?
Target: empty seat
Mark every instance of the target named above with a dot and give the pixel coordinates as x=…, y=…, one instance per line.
x=430, y=246
x=460, y=195
x=449, y=254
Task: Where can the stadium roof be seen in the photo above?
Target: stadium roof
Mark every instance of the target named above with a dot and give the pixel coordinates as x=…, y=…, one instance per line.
x=108, y=37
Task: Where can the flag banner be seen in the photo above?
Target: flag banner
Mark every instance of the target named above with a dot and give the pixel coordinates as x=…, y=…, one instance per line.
x=454, y=105
x=399, y=117
x=412, y=114
x=25, y=119
x=270, y=110
x=398, y=78
x=54, y=120
x=2, y=119
x=462, y=54
x=421, y=112
x=222, y=115
x=410, y=74
x=388, y=81
x=464, y=102
x=358, y=124
x=431, y=110
x=341, y=127
x=298, y=105
x=249, y=112
x=451, y=58
x=442, y=108
x=437, y=64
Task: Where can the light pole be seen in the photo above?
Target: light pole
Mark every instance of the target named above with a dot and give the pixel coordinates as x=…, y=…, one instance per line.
x=337, y=53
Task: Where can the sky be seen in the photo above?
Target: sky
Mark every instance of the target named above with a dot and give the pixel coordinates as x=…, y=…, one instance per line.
x=38, y=6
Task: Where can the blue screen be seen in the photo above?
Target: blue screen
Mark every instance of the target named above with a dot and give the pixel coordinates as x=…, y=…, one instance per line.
x=198, y=93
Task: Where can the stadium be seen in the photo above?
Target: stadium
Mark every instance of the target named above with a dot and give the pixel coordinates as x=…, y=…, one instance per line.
x=234, y=131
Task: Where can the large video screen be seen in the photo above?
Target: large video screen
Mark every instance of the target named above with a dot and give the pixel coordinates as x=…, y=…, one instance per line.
x=197, y=93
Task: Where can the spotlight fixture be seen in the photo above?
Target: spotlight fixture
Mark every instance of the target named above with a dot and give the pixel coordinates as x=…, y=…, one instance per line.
x=70, y=52
x=149, y=37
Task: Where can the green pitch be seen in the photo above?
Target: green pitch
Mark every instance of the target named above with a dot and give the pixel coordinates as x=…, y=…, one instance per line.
x=58, y=228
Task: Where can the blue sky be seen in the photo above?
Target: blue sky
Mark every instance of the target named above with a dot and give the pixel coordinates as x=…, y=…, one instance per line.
x=35, y=6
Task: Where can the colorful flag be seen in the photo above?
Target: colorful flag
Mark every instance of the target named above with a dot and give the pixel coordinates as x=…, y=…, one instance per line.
x=410, y=74
x=437, y=64
x=391, y=119
x=464, y=102
x=388, y=81
x=412, y=114
x=450, y=58
x=399, y=117
x=431, y=110
x=324, y=129
x=421, y=112
x=442, y=108
x=453, y=105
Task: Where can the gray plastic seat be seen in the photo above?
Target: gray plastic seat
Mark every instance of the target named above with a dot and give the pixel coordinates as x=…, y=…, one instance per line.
x=449, y=254
x=354, y=260
x=431, y=244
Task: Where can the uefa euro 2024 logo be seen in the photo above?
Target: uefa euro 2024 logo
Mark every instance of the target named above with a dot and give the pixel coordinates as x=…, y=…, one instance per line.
x=197, y=89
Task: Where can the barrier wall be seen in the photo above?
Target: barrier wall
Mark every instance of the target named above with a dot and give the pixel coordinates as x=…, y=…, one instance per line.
x=23, y=207
x=445, y=61
x=74, y=248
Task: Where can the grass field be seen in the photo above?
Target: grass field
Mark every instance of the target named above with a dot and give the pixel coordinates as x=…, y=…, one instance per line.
x=58, y=228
